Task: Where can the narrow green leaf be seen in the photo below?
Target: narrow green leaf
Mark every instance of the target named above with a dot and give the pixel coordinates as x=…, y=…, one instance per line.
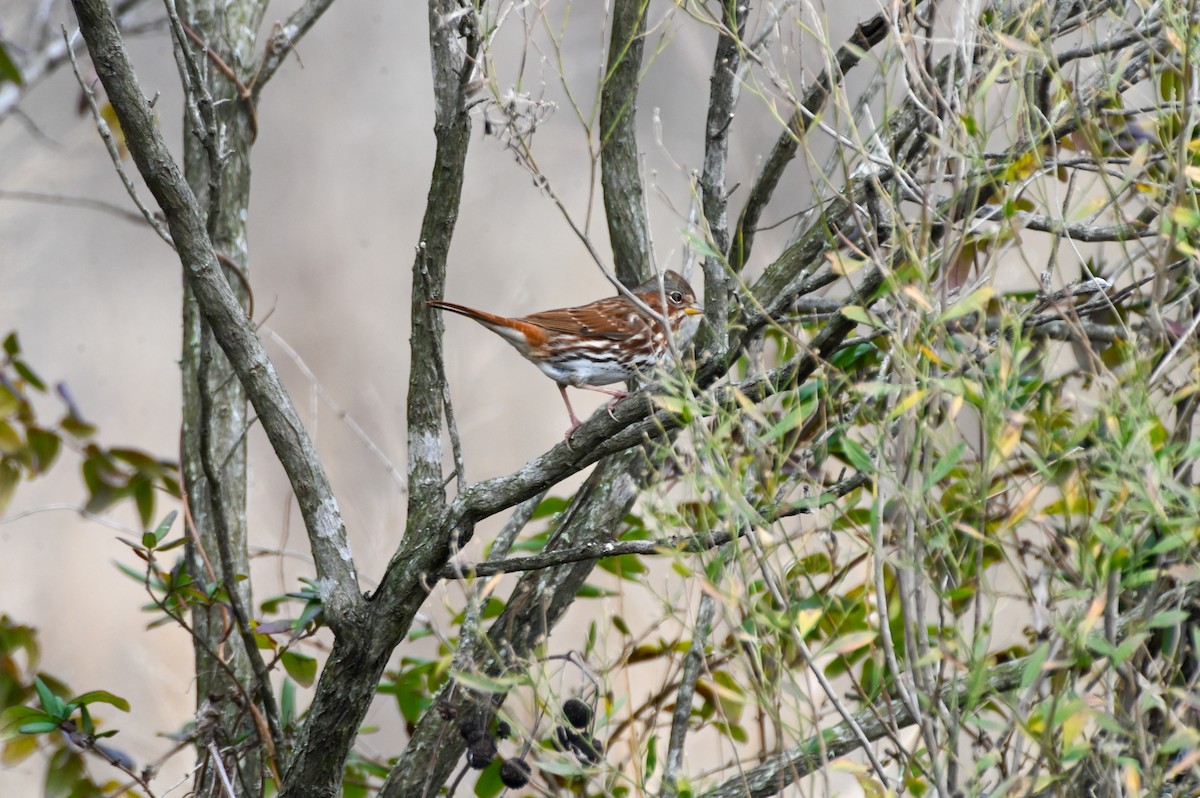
x=287, y=703
x=486, y=684
x=587, y=590
x=857, y=455
x=53, y=705
x=651, y=756
x=9, y=71
x=164, y=526
x=859, y=314
x=12, y=718
x=29, y=375
x=143, y=496
x=943, y=466
x=101, y=697
x=38, y=727
x=1167, y=619
x=972, y=303
x=1033, y=667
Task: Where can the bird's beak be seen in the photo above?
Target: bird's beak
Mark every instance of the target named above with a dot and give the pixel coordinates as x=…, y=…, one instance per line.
x=694, y=311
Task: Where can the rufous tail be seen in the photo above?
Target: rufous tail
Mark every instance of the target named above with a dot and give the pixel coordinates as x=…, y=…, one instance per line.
x=514, y=330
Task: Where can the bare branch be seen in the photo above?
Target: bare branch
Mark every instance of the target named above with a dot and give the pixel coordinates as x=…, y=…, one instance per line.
x=234, y=332
x=54, y=54
x=620, y=167
x=677, y=543
x=283, y=41
x=866, y=35
x=725, y=86
x=110, y=144
x=693, y=665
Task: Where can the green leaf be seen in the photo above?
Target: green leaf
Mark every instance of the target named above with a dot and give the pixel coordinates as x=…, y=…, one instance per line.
x=101, y=697
x=944, y=465
x=859, y=314
x=549, y=506
x=857, y=455
x=12, y=345
x=972, y=303
x=10, y=402
x=625, y=566
x=287, y=703
x=13, y=717
x=487, y=684
x=64, y=774
x=10, y=439
x=488, y=785
x=10, y=475
x=587, y=590
x=300, y=667
x=77, y=427
x=311, y=613
x=45, y=446
x=143, y=495
x=17, y=749
x=9, y=71
x=1033, y=668
x=38, y=727
x=651, y=756
x=54, y=706
x=28, y=374
x=1168, y=618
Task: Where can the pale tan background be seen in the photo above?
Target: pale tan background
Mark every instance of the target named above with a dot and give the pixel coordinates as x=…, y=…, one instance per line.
x=340, y=171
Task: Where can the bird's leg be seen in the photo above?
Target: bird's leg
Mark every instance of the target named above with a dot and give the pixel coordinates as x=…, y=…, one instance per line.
x=616, y=393
x=575, y=422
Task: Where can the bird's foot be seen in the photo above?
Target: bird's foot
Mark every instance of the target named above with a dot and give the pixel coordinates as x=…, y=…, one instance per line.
x=575, y=424
x=613, y=403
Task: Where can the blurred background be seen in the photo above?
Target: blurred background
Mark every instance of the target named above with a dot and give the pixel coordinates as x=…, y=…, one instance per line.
x=341, y=166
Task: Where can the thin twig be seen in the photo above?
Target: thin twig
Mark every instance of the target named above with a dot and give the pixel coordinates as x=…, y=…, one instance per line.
x=114, y=151
x=274, y=742
x=220, y=766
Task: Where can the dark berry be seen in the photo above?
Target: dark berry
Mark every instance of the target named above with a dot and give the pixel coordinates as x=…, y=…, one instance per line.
x=481, y=752
x=577, y=713
x=515, y=773
x=469, y=730
x=503, y=730
x=593, y=750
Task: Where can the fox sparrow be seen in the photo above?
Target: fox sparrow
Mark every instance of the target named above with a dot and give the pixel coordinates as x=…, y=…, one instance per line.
x=601, y=343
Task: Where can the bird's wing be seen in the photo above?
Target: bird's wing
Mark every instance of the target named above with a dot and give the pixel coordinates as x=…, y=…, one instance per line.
x=611, y=319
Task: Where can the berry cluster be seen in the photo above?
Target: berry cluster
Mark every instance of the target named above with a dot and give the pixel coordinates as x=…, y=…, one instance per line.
x=574, y=736
x=481, y=750
x=576, y=739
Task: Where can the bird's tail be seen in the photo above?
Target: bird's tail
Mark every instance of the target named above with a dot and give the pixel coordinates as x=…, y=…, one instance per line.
x=517, y=332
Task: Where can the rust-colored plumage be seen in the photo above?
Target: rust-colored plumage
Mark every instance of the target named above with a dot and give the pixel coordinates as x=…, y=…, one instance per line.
x=608, y=341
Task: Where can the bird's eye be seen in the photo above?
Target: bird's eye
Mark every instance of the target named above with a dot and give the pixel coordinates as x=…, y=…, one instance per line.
x=676, y=297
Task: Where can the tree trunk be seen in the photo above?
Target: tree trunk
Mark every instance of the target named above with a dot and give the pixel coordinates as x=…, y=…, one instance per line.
x=214, y=403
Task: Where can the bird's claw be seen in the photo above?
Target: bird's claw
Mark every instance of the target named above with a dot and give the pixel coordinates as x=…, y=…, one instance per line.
x=609, y=407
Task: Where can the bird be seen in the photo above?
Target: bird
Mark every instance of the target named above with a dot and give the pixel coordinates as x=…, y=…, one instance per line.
x=607, y=341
